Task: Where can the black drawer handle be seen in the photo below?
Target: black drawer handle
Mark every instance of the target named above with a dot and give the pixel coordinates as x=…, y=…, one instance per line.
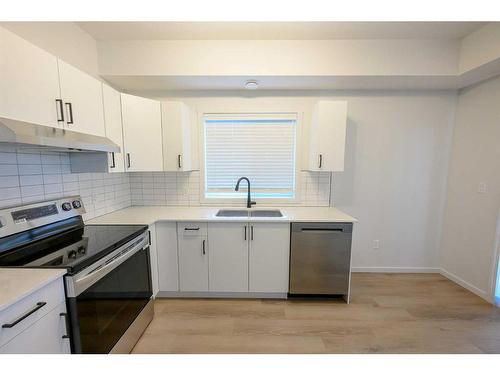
x=38, y=306
x=191, y=228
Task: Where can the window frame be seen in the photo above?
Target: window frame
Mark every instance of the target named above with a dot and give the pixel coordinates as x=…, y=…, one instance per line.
x=261, y=201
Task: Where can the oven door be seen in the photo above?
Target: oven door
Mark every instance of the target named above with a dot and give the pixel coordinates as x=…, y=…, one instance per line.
x=109, y=298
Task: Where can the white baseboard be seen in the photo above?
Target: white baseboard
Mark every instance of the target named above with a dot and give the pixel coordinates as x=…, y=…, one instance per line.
x=396, y=269
x=174, y=294
x=477, y=291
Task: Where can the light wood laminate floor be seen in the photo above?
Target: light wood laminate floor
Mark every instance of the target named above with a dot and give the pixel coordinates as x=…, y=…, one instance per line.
x=389, y=313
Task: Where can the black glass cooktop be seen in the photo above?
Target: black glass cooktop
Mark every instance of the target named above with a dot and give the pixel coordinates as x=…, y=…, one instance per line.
x=66, y=244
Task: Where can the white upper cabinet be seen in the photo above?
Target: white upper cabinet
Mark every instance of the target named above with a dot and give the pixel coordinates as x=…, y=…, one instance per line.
x=177, y=134
x=142, y=134
x=228, y=260
x=268, y=257
x=327, y=136
x=82, y=96
x=113, y=124
x=29, y=82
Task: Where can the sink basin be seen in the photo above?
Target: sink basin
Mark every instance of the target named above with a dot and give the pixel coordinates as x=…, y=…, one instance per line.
x=266, y=213
x=232, y=213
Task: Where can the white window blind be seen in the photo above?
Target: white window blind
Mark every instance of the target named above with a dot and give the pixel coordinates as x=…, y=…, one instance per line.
x=261, y=148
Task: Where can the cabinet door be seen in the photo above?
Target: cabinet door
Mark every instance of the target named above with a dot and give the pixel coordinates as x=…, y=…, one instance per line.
x=168, y=264
x=269, y=257
x=228, y=265
x=82, y=96
x=29, y=82
x=142, y=135
x=176, y=124
x=193, y=261
x=46, y=336
x=113, y=124
x=327, y=136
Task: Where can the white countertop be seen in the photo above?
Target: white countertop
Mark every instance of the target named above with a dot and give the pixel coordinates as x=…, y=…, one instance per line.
x=151, y=214
x=17, y=283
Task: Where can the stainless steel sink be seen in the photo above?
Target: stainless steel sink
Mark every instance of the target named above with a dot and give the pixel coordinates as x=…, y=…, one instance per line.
x=232, y=213
x=266, y=213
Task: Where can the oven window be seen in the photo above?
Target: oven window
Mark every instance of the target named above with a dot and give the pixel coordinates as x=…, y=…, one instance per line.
x=107, y=308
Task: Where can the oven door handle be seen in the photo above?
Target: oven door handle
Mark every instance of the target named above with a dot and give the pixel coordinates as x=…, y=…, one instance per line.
x=84, y=282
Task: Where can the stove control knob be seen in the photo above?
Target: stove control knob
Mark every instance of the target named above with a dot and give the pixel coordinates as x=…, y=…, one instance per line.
x=72, y=254
x=81, y=249
x=66, y=206
x=77, y=204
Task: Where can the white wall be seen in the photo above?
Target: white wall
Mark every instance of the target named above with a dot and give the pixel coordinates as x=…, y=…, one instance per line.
x=470, y=225
x=63, y=39
x=480, y=47
x=396, y=167
x=279, y=57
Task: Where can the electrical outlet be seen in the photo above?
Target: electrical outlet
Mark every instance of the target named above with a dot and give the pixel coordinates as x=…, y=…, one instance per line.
x=482, y=188
x=376, y=244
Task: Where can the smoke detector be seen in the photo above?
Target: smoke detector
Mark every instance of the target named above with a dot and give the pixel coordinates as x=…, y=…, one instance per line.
x=251, y=85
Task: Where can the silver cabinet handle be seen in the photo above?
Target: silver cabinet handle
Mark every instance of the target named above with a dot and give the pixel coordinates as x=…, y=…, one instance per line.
x=203, y=247
x=128, y=160
x=251, y=232
x=66, y=320
x=320, y=161
x=179, y=161
x=245, y=232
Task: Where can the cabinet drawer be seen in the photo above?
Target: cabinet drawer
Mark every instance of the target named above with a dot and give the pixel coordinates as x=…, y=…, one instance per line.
x=192, y=229
x=46, y=336
x=52, y=295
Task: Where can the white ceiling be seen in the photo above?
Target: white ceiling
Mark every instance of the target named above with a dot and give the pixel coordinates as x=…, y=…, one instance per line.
x=277, y=30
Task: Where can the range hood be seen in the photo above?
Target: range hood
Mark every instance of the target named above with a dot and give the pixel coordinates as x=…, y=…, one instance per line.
x=27, y=135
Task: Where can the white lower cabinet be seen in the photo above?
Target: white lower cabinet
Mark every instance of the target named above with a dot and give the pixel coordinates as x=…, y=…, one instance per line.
x=228, y=257
x=223, y=257
x=168, y=264
x=193, y=257
x=47, y=336
x=268, y=257
x=36, y=323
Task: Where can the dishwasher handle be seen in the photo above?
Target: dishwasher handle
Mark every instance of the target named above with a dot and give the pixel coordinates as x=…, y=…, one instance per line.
x=322, y=230
x=339, y=228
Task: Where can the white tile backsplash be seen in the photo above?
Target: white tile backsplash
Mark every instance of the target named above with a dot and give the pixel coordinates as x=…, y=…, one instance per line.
x=27, y=177
x=32, y=176
x=183, y=188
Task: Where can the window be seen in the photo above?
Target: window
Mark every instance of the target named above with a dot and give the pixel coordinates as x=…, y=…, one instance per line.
x=260, y=147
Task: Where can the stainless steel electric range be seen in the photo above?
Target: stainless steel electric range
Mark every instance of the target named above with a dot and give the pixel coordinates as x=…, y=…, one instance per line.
x=108, y=281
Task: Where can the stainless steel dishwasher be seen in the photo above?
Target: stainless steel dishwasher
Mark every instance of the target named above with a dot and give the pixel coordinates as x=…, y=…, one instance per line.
x=320, y=260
